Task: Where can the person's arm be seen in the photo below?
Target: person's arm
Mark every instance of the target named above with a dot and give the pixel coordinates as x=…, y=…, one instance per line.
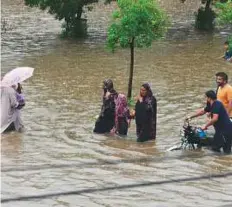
x=199, y=113
x=128, y=117
x=132, y=114
x=230, y=107
x=229, y=97
x=132, y=111
x=211, y=122
x=107, y=95
x=223, y=56
x=138, y=98
x=154, y=105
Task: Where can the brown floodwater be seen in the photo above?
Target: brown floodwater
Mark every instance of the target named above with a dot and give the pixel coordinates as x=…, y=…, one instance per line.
x=58, y=151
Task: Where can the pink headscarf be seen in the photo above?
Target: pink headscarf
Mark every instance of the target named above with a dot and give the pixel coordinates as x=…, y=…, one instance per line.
x=121, y=109
x=121, y=106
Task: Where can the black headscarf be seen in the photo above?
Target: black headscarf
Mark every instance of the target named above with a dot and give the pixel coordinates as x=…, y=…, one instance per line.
x=108, y=85
x=148, y=89
x=108, y=102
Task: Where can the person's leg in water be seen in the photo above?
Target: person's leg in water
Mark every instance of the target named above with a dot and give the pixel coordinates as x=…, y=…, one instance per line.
x=105, y=123
x=138, y=131
x=144, y=133
x=227, y=144
x=122, y=126
x=218, y=142
x=99, y=125
x=10, y=128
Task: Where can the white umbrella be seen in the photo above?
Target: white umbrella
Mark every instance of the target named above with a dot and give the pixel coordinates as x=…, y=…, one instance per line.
x=17, y=75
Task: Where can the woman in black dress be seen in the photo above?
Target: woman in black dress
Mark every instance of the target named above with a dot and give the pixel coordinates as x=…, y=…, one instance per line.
x=146, y=114
x=106, y=119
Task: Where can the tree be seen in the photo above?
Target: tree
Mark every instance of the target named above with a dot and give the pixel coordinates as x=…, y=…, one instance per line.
x=68, y=10
x=206, y=15
x=224, y=12
x=136, y=24
x=224, y=15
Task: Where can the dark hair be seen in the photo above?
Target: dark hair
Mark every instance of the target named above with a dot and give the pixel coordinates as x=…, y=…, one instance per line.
x=211, y=94
x=223, y=75
x=226, y=43
x=148, y=89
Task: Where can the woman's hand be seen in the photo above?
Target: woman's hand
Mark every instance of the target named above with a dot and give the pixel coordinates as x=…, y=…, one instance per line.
x=136, y=98
x=139, y=98
x=132, y=113
x=107, y=94
x=187, y=119
x=113, y=131
x=204, y=128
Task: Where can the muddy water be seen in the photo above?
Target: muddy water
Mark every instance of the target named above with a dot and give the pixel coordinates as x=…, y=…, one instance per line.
x=59, y=153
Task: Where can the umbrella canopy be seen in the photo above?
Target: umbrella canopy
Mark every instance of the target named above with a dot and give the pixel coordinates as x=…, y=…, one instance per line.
x=17, y=75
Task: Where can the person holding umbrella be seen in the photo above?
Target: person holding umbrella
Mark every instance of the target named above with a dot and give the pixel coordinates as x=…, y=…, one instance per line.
x=12, y=99
x=10, y=114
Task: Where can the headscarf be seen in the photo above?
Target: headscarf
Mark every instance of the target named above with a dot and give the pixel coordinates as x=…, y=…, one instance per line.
x=148, y=88
x=109, y=101
x=121, y=105
x=121, y=109
x=149, y=95
x=108, y=85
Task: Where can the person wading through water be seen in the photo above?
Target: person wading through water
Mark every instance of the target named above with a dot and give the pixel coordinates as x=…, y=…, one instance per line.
x=106, y=119
x=145, y=114
x=122, y=116
x=219, y=119
x=224, y=92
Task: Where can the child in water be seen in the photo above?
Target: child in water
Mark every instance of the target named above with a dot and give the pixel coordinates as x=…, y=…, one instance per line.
x=122, y=116
x=228, y=52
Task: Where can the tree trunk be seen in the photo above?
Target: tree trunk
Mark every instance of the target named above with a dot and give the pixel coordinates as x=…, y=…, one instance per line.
x=131, y=69
x=79, y=11
x=207, y=6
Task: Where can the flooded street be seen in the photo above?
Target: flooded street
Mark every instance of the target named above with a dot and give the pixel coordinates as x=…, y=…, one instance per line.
x=58, y=153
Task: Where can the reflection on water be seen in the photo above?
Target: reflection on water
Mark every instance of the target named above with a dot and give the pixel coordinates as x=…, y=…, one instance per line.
x=11, y=144
x=63, y=97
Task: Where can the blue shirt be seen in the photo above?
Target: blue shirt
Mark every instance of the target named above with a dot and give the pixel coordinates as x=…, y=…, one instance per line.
x=223, y=124
x=228, y=54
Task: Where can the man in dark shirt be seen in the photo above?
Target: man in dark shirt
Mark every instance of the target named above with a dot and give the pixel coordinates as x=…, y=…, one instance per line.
x=220, y=120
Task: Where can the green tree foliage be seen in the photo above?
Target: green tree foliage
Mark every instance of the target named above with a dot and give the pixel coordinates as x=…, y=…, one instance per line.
x=224, y=15
x=136, y=24
x=206, y=15
x=68, y=10
x=224, y=12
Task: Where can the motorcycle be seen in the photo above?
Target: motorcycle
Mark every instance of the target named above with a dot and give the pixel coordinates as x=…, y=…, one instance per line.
x=192, y=138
